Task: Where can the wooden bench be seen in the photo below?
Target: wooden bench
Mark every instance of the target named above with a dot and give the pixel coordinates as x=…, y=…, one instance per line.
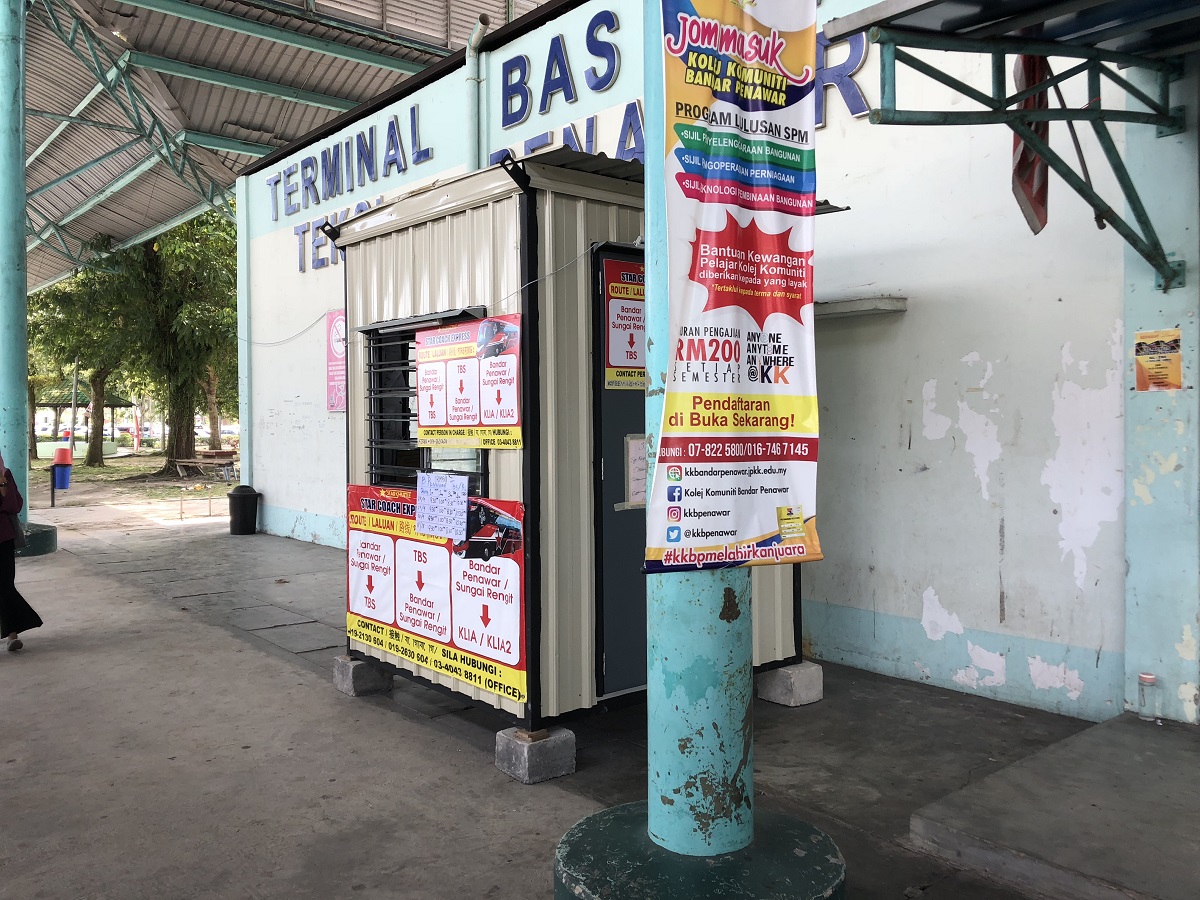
x=223, y=467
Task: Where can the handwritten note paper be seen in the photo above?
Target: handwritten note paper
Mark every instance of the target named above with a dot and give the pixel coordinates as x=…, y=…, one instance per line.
x=635, y=469
x=442, y=505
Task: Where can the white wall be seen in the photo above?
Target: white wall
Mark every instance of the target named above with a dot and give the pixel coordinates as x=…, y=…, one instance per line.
x=971, y=462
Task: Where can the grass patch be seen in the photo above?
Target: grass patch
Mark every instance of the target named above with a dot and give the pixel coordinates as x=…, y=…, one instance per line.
x=129, y=479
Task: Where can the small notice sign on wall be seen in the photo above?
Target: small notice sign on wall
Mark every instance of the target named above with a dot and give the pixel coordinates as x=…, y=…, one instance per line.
x=1158, y=360
x=469, y=385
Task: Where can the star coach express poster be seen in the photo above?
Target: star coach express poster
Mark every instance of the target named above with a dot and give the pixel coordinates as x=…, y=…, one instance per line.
x=735, y=475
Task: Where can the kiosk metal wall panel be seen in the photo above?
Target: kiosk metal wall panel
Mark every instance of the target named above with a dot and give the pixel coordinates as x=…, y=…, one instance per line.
x=467, y=258
x=568, y=225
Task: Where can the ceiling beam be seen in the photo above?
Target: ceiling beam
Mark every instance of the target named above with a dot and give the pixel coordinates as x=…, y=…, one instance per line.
x=90, y=164
x=111, y=78
x=76, y=120
x=225, y=144
x=216, y=77
x=202, y=15
x=130, y=175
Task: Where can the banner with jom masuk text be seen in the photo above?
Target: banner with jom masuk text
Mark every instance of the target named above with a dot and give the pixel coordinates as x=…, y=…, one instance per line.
x=735, y=476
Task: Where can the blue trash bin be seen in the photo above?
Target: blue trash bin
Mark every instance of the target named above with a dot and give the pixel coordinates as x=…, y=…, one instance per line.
x=62, y=477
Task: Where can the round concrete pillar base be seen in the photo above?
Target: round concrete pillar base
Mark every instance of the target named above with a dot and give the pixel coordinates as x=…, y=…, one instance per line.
x=39, y=539
x=609, y=856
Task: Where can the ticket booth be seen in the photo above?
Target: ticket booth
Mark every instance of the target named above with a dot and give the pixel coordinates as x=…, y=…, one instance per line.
x=495, y=395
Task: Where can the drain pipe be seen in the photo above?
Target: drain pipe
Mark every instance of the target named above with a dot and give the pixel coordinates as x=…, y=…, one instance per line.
x=475, y=124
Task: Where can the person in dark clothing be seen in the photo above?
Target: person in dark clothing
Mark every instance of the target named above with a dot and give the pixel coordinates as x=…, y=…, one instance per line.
x=15, y=614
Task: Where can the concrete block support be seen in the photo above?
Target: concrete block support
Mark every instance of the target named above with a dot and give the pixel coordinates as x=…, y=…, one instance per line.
x=358, y=678
x=796, y=685
x=540, y=756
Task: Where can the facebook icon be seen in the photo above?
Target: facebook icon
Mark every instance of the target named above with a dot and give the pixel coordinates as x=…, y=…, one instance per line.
x=674, y=493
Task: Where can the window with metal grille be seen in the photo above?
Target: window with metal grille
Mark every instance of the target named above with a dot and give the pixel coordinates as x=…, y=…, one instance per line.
x=394, y=457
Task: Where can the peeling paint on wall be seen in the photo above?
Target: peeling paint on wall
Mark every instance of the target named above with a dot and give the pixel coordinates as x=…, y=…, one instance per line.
x=1187, y=647
x=983, y=442
x=988, y=662
x=1189, y=693
x=1046, y=677
x=934, y=425
x=936, y=619
x=1085, y=476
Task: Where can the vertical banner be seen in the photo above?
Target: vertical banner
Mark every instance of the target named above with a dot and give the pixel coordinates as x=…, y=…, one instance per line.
x=335, y=360
x=454, y=606
x=735, y=477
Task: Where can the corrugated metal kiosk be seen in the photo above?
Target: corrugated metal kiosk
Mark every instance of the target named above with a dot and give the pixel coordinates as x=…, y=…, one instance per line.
x=518, y=285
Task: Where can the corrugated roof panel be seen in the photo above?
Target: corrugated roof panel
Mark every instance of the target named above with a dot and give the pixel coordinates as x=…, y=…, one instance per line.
x=57, y=82
x=143, y=23
x=426, y=18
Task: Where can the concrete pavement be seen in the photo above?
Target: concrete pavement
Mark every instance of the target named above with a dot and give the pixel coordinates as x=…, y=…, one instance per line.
x=173, y=732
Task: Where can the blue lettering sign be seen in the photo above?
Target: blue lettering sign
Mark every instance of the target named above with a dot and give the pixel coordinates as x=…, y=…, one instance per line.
x=558, y=76
x=601, y=49
x=630, y=142
x=419, y=154
x=331, y=171
x=308, y=181
x=290, y=187
x=393, y=154
x=514, y=85
x=841, y=76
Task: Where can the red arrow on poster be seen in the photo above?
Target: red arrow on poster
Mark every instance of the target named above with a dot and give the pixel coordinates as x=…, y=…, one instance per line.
x=420, y=580
x=370, y=584
x=431, y=401
x=460, y=386
x=498, y=401
x=484, y=617
x=631, y=340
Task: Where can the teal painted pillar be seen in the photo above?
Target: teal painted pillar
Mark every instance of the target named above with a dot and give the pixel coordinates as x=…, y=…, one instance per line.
x=14, y=348
x=1162, y=429
x=245, y=394
x=700, y=677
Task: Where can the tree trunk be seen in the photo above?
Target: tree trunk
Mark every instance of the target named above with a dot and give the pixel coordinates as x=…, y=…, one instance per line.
x=181, y=422
x=208, y=384
x=95, y=451
x=57, y=424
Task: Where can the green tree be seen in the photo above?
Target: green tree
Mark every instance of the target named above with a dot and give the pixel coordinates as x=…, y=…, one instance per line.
x=85, y=317
x=182, y=290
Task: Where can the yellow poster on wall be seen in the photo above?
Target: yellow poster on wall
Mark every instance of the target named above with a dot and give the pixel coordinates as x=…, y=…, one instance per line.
x=1158, y=360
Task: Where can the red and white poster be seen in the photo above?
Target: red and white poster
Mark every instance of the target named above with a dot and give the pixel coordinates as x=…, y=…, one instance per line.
x=625, y=325
x=469, y=384
x=335, y=360
x=736, y=469
x=456, y=607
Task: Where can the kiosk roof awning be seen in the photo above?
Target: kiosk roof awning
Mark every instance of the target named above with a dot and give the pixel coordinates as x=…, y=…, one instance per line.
x=1153, y=28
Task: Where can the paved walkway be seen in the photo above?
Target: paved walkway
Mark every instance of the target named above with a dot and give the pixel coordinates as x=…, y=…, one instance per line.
x=172, y=732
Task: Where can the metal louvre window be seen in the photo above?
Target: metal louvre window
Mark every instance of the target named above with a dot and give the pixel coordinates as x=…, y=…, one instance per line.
x=394, y=457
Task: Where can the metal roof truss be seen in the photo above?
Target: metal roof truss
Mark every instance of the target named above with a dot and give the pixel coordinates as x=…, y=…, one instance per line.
x=1002, y=108
x=112, y=76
